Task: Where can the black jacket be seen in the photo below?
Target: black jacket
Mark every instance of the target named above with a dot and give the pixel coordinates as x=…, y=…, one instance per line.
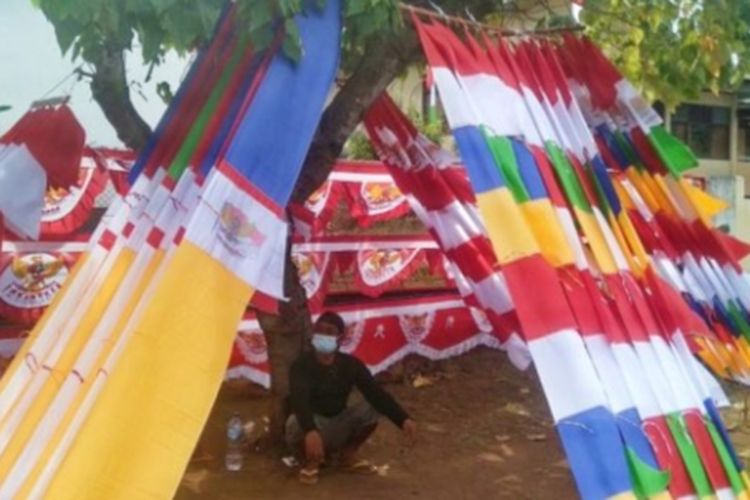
x=317, y=389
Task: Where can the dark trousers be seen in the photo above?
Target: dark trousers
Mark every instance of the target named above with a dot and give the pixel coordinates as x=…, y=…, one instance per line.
x=336, y=431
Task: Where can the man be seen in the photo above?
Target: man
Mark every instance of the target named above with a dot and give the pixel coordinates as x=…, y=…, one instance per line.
x=320, y=423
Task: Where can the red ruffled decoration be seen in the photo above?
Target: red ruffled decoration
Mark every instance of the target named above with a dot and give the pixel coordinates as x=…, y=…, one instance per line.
x=380, y=334
x=66, y=210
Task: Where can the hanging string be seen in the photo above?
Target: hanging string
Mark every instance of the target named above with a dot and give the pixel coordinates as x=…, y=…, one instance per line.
x=44, y=100
x=472, y=23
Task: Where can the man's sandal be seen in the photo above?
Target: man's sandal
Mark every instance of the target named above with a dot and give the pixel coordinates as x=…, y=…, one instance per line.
x=364, y=467
x=309, y=476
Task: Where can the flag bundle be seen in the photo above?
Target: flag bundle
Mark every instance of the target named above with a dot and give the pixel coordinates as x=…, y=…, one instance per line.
x=671, y=217
x=605, y=321
x=109, y=394
x=440, y=195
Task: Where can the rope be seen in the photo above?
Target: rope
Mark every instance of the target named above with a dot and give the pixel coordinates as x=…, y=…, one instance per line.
x=59, y=84
x=472, y=23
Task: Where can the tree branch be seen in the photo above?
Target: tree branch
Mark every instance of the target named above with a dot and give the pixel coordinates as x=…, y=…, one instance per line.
x=110, y=90
x=385, y=58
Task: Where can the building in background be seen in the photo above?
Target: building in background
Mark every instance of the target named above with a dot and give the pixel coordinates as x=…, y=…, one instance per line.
x=717, y=129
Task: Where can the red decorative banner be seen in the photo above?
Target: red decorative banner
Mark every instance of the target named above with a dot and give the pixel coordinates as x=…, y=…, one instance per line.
x=318, y=210
x=380, y=334
x=369, y=191
x=314, y=271
x=385, y=269
x=249, y=359
x=374, y=201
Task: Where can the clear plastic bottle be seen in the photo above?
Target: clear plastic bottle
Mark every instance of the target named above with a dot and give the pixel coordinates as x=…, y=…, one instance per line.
x=235, y=439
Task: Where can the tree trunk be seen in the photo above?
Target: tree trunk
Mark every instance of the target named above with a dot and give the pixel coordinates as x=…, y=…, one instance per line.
x=109, y=87
x=384, y=59
x=285, y=338
x=286, y=333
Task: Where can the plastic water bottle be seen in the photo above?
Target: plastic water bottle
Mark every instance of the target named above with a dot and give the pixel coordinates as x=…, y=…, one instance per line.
x=235, y=434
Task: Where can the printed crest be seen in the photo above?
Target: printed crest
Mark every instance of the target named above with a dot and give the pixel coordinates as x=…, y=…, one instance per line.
x=238, y=234
x=252, y=346
x=32, y=280
x=416, y=326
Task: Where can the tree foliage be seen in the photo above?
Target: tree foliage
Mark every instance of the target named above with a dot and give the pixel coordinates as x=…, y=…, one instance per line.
x=87, y=27
x=674, y=49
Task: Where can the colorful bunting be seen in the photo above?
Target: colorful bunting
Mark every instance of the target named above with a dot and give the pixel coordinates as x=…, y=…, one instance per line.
x=175, y=266
x=528, y=120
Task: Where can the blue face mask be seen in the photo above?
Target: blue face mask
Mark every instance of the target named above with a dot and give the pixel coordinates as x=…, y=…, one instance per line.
x=324, y=344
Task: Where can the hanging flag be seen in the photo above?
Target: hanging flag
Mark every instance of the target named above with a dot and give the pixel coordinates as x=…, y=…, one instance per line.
x=546, y=320
x=21, y=209
x=55, y=139
x=440, y=195
x=231, y=246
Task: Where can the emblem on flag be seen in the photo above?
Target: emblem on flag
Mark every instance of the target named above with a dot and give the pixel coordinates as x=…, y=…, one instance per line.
x=317, y=200
x=32, y=280
x=416, y=326
x=252, y=345
x=236, y=230
x=352, y=336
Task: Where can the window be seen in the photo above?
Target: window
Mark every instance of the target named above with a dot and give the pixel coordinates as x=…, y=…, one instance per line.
x=743, y=134
x=704, y=128
x=659, y=108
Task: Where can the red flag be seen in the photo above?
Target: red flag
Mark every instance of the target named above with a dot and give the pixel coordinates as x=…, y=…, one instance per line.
x=55, y=138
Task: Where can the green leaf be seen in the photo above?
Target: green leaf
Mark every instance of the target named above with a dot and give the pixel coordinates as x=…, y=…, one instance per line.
x=164, y=91
x=682, y=49
x=208, y=14
x=260, y=14
x=290, y=7
x=139, y=6
x=356, y=7
x=66, y=32
x=151, y=37
x=163, y=5
x=262, y=37
x=292, y=45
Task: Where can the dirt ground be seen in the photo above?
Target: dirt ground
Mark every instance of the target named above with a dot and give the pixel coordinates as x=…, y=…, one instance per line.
x=484, y=432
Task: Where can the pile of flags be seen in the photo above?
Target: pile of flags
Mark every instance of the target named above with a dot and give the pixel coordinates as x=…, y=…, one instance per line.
x=108, y=396
x=598, y=256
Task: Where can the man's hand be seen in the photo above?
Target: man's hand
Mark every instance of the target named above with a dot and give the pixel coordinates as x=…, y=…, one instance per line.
x=314, y=449
x=410, y=430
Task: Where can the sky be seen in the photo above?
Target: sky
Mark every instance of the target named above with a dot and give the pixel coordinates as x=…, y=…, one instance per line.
x=32, y=65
